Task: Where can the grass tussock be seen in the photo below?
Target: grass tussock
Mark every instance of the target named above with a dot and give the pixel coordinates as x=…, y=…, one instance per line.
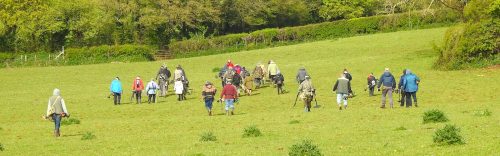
x=70, y=121
x=449, y=135
x=88, y=136
x=251, y=131
x=485, y=112
x=208, y=136
x=294, y=122
x=304, y=148
x=434, y=116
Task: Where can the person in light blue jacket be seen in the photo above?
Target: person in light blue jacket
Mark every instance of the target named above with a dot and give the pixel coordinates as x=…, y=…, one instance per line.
x=410, y=86
x=151, y=91
x=116, y=89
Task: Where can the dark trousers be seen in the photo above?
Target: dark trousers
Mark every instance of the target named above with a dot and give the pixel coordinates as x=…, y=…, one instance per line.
x=280, y=88
x=403, y=98
x=151, y=98
x=117, y=98
x=372, y=89
x=409, y=95
x=208, y=103
x=138, y=96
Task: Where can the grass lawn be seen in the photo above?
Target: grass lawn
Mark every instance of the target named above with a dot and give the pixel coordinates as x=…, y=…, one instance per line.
x=174, y=128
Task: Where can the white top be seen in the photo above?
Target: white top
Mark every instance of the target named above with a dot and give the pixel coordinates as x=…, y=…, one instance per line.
x=178, y=87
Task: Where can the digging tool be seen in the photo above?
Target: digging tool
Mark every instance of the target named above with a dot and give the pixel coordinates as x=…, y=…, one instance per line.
x=297, y=97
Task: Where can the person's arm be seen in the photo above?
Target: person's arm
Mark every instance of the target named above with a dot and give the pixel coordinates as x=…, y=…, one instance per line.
x=393, y=84
x=222, y=93
x=417, y=79
x=349, y=86
x=64, y=107
x=48, y=107
x=111, y=87
x=335, y=86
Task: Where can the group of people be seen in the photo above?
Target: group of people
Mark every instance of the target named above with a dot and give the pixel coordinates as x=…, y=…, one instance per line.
x=235, y=78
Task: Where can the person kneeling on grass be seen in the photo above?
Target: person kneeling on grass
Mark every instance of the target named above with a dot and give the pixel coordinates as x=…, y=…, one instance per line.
x=229, y=95
x=56, y=109
x=116, y=89
x=179, y=89
x=342, y=88
x=208, y=95
x=151, y=88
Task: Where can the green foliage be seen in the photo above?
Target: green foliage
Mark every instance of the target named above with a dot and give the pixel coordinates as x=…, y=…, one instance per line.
x=449, y=135
x=1, y=147
x=304, y=148
x=485, y=112
x=294, y=122
x=208, y=136
x=327, y=30
x=88, y=136
x=251, y=131
x=106, y=54
x=400, y=128
x=434, y=116
x=70, y=121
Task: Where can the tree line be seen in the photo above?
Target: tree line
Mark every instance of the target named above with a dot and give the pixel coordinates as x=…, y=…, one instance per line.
x=47, y=25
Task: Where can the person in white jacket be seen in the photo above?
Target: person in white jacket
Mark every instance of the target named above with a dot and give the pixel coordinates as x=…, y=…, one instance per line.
x=179, y=89
x=151, y=90
x=56, y=109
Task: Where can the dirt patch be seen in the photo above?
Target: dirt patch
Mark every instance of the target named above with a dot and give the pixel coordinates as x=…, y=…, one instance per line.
x=494, y=67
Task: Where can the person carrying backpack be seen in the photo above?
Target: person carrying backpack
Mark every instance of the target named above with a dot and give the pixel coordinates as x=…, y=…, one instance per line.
x=248, y=84
x=138, y=86
x=151, y=88
x=371, y=83
x=208, y=96
x=163, y=76
x=389, y=83
x=342, y=87
x=347, y=74
x=258, y=74
x=410, y=85
x=56, y=109
x=279, y=80
x=306, y=92
x=301, y=75
x=116, y=89
x=236, y=81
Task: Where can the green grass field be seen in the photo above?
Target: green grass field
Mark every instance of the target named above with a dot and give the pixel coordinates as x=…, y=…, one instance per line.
x=173, y=128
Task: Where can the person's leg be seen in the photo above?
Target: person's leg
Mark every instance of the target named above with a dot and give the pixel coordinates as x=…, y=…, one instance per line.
x=414, y=95
x=372, y=89
x=154, y=98
x=389, y=94
x=408, y=99
x=403, y=99
x=179, y=97
x=309, y=100
x=149, y=98
x=57, y=123
x=384, y=93
x=345, y=100
x=119, y=98
x=339, y=101
x=115, y=101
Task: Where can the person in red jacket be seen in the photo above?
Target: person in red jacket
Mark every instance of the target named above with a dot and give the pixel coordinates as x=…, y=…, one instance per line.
x=229, y=95
x=229, y=64
x=137, y=87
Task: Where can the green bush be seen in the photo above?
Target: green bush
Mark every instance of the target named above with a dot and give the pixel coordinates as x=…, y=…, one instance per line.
x=70, y=121
x=88, y=136
x=320, y=31
x=304, y=148
x=106, y=54
x=1, y=147
x=449, y=135
x=251, y=131
x=434, y=116
x=208, y=136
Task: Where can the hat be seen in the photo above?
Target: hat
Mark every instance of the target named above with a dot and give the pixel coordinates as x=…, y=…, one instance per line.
x=207, y=83
x=137, y=78
x=386, y=69
x=228, y=60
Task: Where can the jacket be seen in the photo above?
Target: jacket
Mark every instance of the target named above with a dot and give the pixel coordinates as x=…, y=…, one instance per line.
x=248, y=83
x=301, y=75
x=56, y=104
x=388, y=80
x=272, y=69
x=138, y=85
x=410, y=83
x=342, y=86
x=178, y=87
x=371, y=81
x=279, y=79
x=306, y=88
x=116, y=86
x=229, y=92
x=208, y=92
x=152, y=87
x=257, y=72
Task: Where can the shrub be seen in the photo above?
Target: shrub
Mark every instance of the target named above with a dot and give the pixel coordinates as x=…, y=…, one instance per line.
x=294, y=122
x=106, y=54
x=251, y=131
x=434, y=116
x=1, y=147
x=320, y=31
x=70, y=121
x=449, y=135
x=304, y=148
x=485, y=112
x=88, y=136
x=208, y=136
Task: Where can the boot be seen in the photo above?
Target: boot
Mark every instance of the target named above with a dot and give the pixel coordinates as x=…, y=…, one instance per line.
x=232, y=112
x=55, y=133
x=345, y=106
x=416, y=104
x=340, y=107
x=209, y=113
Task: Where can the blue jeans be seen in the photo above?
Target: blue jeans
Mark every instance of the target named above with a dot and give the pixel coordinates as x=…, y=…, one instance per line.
x=208, y=103
x=229, y=104
x=57, y=120
x=340, y=98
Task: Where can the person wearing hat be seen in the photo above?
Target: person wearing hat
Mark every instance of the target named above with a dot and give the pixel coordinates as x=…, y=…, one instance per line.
x=56, y=109
x=258, y=74
x=410, y=86
x=151, y=88
x=347, y=74
x=272, y=69
x=306, y=92
x=342, y=88
x=179, y=89
x=137, y=87
x=371, y=83
x=229, y=95
x=229, y=64
x=389, y=83
x=163, y=76
x=279, y=80
x=208, y=96
x=301, y=75
x=116, y=90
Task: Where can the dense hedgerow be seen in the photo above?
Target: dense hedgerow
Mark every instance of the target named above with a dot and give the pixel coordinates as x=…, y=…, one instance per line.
x=327, y=30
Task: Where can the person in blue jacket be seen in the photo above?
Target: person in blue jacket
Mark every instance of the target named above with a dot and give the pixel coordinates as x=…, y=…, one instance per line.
x=389, y=84
x=116, y=89
x=400, y=90
x=410, y=86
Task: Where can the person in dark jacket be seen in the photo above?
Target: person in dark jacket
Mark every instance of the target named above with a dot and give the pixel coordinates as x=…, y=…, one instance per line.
x=371, y=83
x=208, y=96
x=342, y=87
x=401, y=90
x=237, y=81
x=388, y=82
x=347, y=75
x=279, y=80
x=410, y=85
x=229, y=95
x=301, y=75
x=163, y=76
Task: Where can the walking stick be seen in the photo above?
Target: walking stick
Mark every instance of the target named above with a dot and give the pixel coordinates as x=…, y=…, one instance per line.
x=297, y=97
